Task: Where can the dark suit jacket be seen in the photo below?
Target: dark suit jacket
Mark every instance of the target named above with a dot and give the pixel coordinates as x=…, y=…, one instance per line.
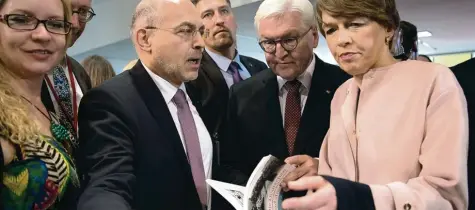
x=209, y=92
x=254, y=127
x=83, y=79
x=465, y=73
x=131, y=153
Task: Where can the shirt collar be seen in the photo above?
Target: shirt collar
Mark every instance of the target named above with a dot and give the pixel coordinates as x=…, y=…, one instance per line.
x=222, y=62
x=166, y=88
x=305, y=78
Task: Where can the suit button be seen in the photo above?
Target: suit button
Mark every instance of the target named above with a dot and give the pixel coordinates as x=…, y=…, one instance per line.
x=215, y=135
x=407, y=206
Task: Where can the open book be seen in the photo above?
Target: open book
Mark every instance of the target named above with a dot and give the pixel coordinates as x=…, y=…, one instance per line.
x=262, y=191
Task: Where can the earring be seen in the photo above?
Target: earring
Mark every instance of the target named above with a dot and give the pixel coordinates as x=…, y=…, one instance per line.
x=386, y=40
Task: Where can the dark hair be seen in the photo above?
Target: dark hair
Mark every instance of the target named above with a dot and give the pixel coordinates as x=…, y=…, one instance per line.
x=383, y=12
x=409, y=37
x=426, y=57
x=197, y=1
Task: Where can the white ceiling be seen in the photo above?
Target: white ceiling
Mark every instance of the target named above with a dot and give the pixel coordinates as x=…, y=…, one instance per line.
x=450, y=22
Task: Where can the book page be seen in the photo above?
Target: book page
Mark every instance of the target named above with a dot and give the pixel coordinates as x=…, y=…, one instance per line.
x=269, y=171
x=274, y=192
x=234, y=194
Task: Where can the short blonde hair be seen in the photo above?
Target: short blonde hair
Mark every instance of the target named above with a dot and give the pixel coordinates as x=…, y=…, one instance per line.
x=275, y=8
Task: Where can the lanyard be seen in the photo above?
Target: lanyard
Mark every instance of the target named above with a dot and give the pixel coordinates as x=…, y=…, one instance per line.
x=61, y=104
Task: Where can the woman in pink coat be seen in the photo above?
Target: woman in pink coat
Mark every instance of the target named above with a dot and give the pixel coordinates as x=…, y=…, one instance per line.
x=398, y=135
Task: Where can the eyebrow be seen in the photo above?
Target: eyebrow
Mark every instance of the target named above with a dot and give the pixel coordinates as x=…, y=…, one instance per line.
x=29, y=13
x=189, y=24
x=327, y=24
x=285, y=35
x=186, y=23
x=224, y=7
x=219, y=8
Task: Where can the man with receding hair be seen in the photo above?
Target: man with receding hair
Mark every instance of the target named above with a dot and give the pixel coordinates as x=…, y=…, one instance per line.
x=143, y=144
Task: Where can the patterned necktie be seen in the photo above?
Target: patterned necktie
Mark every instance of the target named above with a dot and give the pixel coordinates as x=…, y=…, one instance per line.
x=192, y=143
x=292, y=113
x=234, y=69
x=61, y=86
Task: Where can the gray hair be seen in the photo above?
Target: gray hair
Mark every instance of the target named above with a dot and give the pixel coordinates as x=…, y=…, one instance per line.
x=145, y=10
x=276, y=8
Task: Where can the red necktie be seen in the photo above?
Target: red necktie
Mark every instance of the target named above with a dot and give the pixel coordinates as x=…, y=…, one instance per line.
x=292, y=113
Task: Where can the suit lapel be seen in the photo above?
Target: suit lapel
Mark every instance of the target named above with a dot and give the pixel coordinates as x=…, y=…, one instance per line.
x=316, y=108
x=211, y=69
x=46, y=97
x=155, y=102
x=249, y=65
x=76, y=71
x=274, y=126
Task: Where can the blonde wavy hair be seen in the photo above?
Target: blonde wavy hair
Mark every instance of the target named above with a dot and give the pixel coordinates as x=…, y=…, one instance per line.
x=98, y=68
x=15, y=122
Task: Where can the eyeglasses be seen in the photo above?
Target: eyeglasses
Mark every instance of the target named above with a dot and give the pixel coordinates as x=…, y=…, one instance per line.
x=185, y=33
x=29, y=23
x=289, y=44
x=85, y=14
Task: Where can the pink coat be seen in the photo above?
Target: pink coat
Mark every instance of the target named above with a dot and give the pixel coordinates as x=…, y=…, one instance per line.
x=408, y=140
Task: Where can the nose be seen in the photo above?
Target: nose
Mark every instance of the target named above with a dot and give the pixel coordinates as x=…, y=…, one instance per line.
x=198, y=42
x=75, y=20
x=344, y=38
x=218, y=19
x=41, y=34
x=280, y=52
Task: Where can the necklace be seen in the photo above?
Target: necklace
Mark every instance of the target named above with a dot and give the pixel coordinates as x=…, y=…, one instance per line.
x=59, y=132
x=37, y=108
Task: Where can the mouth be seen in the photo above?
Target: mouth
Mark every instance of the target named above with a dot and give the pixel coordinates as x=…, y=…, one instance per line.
x=347, y=55
x=194, y=61
x=220, y=31
x=40, y=51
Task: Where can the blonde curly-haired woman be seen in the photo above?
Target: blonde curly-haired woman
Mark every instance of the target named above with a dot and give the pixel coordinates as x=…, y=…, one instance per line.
x=36, y=168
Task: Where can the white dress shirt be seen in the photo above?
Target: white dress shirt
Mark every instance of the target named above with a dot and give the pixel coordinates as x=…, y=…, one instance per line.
x=79, y=93
x=168, y=91
x=223, y=64
x=306, y=79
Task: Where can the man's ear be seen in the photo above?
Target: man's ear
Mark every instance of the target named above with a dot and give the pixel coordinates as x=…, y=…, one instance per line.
x=142, y=38
x=315, y=38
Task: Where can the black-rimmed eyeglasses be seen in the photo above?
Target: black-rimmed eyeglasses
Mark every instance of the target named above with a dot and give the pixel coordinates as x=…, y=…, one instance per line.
x=85, y=14
x=30, y=23
x=185, y=33
x=289, y=44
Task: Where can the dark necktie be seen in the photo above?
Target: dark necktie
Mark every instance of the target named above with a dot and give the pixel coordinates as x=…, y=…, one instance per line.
x=61, y=87
x=192, y=144
x=234, y=69
x=292, y=113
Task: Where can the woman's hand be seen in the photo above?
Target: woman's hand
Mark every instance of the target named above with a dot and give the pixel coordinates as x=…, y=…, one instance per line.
x=321, y=194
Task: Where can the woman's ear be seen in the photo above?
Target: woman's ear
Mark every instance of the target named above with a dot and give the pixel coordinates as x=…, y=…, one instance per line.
x=390, y=33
